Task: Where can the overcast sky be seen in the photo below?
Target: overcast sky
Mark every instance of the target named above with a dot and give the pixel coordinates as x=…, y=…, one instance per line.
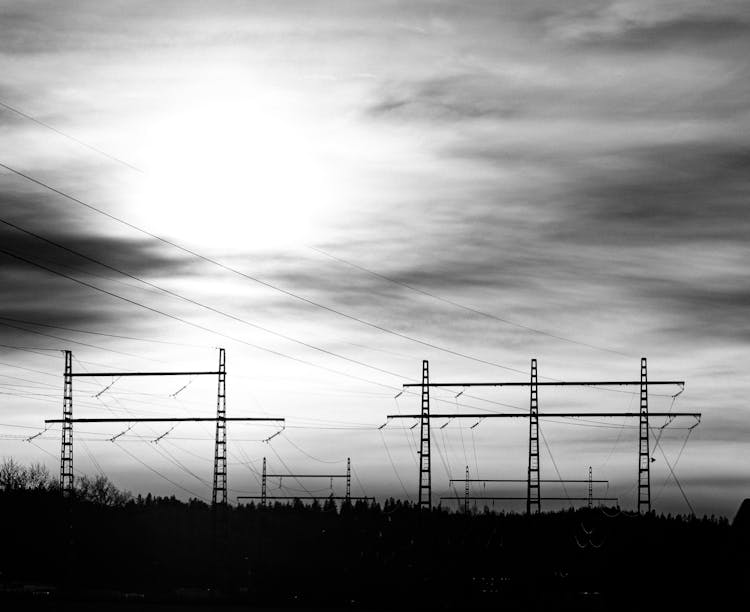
x=576, y=170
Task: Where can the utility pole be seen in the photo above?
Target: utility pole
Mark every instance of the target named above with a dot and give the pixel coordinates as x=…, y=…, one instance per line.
x=264, y=497
x=263, y=489
x=348, y=479
x=533, y=497
x=589, y=481
x=219, y=491
x=66, y=448
x=533, y=501
x=425, y=471
x=466, y=492
x=506, y=497
x=644, y=456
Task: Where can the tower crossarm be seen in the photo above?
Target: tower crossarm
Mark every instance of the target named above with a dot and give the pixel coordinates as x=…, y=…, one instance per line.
x=541, y=415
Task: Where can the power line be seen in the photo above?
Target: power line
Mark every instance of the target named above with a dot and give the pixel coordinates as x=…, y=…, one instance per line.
x=195, y=302
x=84, y=331
x=258, y=280
x=185, y=321
x=677, y=482
x=463, y=306
x=393, y=465
x=101, y=348
x=158, y=473
x=308, y=455
x=201, y=327
x=69, y=137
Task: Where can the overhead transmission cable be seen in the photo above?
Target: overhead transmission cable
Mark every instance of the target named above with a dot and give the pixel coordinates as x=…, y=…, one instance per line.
x=69, y=137
x=158, y=473
x=256, y=279
x=557, y=471
x=463, y=306
x=185, y=321
x=93, y=333
x=393, y=465
x=198, y=326
x=194, y=302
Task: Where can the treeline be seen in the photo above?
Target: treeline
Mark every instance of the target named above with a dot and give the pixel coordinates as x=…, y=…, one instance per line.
x=36, y=477
x=388, y=555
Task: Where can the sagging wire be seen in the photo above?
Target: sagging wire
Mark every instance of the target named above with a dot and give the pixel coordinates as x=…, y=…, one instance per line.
x=158, y=473
x=620, y=429
x=170, y=457
x=677, y=459
x=44, y=450
x=362, y=489
x=309, y=456
x=286, y=467
x=393, y=465
x=93, y=460
x=410, y=443
x=669, y=421
x=676, y=480
x=474, y=448
x=554, y=463
x=659, y=435
x=445, y=460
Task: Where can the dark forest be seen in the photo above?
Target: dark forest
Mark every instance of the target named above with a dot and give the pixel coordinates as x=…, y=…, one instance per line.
x=105, y=546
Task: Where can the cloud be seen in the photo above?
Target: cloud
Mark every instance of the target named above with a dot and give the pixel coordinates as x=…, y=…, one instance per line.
x=691, y=33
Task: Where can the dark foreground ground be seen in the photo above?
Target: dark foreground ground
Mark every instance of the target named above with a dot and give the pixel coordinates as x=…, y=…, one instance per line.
x=162, y=554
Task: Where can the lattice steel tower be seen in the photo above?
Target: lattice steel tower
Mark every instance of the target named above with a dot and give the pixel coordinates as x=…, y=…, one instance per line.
x=66, y=454
x=263, y=488
x=591, y=488
x=348, y=496
x=219, y=493
x=644, y=456
x=533, y=501
x=425, y=474
x=466, y=491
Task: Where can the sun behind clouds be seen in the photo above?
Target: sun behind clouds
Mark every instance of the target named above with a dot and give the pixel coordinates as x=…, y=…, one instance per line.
x=231, y=171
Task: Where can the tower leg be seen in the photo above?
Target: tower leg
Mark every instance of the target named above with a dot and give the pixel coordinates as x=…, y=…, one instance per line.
x=466, y=492
x=425, y=474
x=263, y=491
x=348, y=496
x=533, y=502
x=644, y=456
x=219, y=492
x=66, y=449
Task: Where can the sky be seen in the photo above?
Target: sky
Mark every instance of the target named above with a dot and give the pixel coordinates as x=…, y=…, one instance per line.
x=335, y=191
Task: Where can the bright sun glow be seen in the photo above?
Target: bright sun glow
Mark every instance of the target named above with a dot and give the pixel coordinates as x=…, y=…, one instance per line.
x=230, y=174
